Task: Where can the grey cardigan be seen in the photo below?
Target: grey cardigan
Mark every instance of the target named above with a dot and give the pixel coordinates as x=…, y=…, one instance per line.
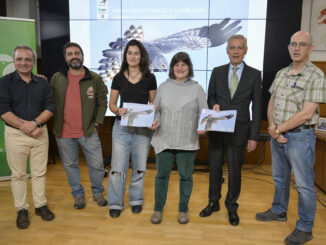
x=179, y=106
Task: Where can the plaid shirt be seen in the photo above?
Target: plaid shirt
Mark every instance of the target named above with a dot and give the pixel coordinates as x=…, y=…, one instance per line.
x=291, y=91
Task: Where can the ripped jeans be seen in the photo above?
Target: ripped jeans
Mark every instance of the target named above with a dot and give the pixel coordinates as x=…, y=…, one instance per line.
x=128, y=141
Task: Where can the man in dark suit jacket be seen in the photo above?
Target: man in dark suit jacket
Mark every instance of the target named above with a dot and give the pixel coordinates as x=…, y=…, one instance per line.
x=246, y=132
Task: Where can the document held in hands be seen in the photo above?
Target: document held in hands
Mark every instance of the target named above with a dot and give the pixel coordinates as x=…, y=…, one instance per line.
x=223, y=121
x=138, y=115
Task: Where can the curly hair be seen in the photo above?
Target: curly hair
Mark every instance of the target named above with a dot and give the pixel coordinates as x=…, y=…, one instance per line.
x=71, y=44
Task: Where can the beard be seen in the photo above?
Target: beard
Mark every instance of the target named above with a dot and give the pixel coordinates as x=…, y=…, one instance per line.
x=75, y=65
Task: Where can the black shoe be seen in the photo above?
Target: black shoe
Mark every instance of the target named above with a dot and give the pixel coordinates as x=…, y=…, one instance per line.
x=233, y=218
x=210, y=208
x=45, y=213
x=269, y=215
x=22, y=221
x=115, y=213
x=136, y=209
x=79, y=202
x=298, y=237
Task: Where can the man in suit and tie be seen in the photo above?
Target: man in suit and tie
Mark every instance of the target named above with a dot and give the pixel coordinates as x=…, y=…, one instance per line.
x=232, y=87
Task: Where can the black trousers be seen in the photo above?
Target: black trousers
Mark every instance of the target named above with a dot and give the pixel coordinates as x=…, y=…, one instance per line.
x=220, y=144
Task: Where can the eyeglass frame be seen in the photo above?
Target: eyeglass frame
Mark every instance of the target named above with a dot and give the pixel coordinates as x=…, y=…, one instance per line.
x=300, y=44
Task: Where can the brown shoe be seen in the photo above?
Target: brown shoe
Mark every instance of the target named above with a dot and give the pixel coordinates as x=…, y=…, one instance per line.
x=22, y=221
x=45, y=213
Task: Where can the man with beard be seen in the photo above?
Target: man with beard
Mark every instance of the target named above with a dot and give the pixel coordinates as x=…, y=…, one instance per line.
x=81, y=101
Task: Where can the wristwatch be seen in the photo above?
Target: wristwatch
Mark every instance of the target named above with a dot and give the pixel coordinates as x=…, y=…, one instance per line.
x=37, y=124
x=276, y=130
x=97, y=126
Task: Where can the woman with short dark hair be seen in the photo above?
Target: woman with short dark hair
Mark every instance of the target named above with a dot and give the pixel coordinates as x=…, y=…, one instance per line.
x=179, y=100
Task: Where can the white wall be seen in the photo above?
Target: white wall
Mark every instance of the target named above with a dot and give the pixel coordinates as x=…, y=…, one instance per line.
x=305, y=22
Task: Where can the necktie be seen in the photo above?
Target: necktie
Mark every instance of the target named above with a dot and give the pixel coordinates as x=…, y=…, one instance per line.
x=234, y=81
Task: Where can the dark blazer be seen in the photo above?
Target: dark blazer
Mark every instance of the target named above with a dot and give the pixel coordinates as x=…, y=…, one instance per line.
x=249, y=89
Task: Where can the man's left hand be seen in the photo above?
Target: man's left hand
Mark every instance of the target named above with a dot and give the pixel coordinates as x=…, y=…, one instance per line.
x=37, y=132
x=252, y=144
x=281, y=139
x=96, y=126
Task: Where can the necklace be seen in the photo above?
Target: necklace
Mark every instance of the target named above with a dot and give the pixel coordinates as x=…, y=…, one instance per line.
x=133, y=77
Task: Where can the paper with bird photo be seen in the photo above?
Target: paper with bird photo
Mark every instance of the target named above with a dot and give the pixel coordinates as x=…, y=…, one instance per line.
x=222, y=121
x=138, y=115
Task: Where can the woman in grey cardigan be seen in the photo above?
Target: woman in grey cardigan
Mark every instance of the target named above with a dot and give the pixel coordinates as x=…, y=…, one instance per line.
x=179, y=101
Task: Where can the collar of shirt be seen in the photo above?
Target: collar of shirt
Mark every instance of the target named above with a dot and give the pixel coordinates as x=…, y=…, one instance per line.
x=17, y=78
x=239, y=71
x=306, y=67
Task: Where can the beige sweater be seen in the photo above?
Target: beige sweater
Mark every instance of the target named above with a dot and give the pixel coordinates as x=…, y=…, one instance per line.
x=179, y=106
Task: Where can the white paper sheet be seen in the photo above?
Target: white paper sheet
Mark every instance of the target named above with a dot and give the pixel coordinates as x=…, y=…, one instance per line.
x=138, y=115
x=223, y=121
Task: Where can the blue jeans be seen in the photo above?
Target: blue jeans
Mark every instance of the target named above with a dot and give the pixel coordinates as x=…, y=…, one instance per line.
x=125, y=141
x=69, y=154
x=299, y=154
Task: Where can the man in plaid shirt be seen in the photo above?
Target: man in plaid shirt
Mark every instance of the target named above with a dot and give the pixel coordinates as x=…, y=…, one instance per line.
x=292, y=111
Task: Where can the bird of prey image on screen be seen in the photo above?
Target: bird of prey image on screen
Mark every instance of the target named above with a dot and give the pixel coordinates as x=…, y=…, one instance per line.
x=131, y=115
x=209, y=120
x=193, y=39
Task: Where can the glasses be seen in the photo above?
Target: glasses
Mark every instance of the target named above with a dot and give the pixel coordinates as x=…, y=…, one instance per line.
x=300, y=45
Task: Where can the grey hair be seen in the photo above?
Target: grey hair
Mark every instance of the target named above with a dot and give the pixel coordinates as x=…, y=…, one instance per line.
x=25, y=47
x=238, y=36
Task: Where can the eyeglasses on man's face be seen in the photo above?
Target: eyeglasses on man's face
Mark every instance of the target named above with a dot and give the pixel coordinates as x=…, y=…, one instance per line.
x=300, y=45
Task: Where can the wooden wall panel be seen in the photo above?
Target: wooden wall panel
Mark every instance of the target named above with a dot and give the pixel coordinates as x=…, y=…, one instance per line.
x=322, y=65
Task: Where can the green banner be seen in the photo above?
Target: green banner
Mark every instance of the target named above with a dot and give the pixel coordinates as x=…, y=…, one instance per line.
x=4, y=169
x=13, y=32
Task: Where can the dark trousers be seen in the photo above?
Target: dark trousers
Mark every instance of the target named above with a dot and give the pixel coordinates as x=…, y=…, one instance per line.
x=185, y=165
x=220, y=145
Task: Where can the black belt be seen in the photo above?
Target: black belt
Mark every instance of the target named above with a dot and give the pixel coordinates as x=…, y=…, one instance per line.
x=299, y=128
x=18, y=128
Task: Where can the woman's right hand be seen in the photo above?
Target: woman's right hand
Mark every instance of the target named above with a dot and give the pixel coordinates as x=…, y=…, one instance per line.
x=155, y=125
x=121, y=111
